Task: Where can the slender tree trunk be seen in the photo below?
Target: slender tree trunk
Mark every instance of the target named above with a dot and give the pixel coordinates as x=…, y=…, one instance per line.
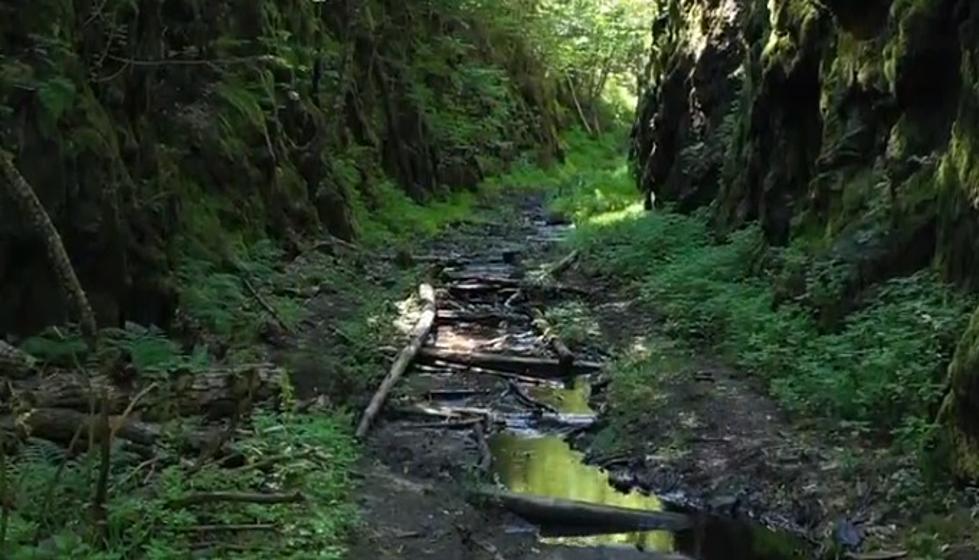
x=38, y=220
x=577, y=104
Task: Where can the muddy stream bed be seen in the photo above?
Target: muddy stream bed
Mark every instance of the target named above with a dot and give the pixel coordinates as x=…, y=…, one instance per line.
x=458, y=422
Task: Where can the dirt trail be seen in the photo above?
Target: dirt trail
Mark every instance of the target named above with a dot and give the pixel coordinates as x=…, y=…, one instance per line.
x=416, y=468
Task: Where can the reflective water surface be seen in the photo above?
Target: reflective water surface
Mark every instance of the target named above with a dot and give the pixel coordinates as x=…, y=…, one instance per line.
x=541, y=464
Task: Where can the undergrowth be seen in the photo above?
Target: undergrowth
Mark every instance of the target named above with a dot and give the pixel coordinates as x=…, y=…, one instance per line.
x=314, y=455
x=879, y=370
x=592, y=179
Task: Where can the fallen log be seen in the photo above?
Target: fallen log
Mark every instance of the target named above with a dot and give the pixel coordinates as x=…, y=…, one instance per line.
x=879, y=555
x=14, y=363
x=422, y=328
x=444, y=425
x=528, y=400
x=236, y=497
x=447, y=316
x=216, y=393
x=60, y=425
x=66, y=390
x=506, y=285
x=523, y=365
x=449, y=368
x=612, y=519
x=521, y=419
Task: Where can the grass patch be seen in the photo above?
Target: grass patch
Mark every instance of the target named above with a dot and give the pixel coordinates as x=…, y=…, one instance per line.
x=592, y=179
x=881, y=370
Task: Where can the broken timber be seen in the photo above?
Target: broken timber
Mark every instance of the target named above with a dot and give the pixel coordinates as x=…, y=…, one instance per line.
x=422, y=328
x=523, y=365
x=554, y=511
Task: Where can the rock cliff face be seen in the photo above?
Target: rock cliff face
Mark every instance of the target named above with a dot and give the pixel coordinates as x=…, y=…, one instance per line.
x=156, y=128
x=849, y=129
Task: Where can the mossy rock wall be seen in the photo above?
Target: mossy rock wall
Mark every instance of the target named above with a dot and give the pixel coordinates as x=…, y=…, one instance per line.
x=156, y=130
x=847, y=129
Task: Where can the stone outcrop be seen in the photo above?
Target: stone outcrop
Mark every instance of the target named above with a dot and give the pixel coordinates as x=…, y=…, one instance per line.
x=847, y=129
x=155, y=130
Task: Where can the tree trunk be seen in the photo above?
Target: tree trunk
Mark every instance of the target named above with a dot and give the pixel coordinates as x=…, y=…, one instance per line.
x=38, y=220
x=577, y=104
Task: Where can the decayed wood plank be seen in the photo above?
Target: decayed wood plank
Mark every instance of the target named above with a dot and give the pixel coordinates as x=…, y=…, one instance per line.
x=553, y=511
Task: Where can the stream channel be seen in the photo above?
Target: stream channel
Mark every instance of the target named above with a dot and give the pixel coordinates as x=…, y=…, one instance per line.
x=529, y=442
x=541, y=462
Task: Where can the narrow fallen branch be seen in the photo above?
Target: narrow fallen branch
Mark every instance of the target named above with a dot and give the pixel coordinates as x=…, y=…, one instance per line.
x=422, y=328
x=485, y=455
x=449, y=368
x=36, y=218
x=444, y=425
x=230, y=528
x=564, y=264
x=565, y=356
x=528, y=400
x=265, y=305
x=554, y=511
x=237, y=497
x=523, y=365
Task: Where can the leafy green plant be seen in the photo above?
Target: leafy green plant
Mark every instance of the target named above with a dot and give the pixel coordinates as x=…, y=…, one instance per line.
x=881, y=368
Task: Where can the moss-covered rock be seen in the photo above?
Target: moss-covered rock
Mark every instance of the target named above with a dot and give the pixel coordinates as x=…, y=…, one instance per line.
x=853, y=134
x=159, y=131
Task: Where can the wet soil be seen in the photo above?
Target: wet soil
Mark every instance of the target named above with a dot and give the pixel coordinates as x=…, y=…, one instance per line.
x=415, y=473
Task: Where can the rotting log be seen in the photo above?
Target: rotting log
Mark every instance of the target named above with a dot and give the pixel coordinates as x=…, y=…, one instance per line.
x=554, y=511
x=523, y=365
x=418, y=335
x=37, y=219
x=216, y=393
x=60, y=425
x=14, y=363
x=66, y=389
x=236, y=497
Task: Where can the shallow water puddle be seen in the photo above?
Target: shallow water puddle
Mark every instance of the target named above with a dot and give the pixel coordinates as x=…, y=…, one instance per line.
x=529, y=462
x=567, y=400
x=547, y=466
